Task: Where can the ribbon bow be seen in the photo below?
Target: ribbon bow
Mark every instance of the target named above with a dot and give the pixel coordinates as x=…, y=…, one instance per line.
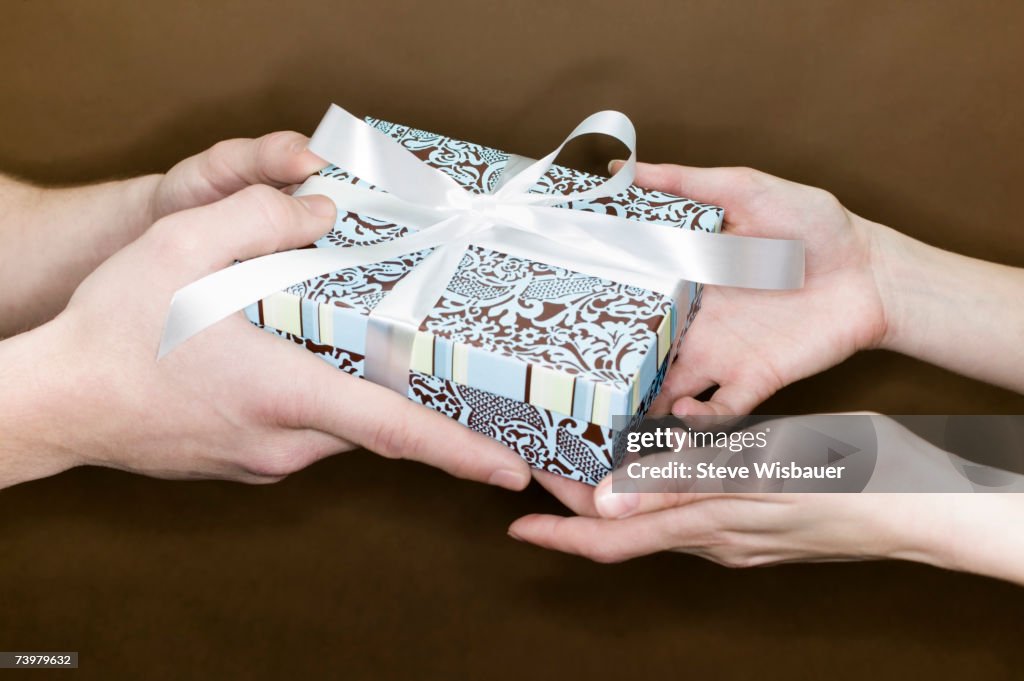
x=448, y=218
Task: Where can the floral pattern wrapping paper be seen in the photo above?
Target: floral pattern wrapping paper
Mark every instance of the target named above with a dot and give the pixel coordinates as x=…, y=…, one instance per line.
x=536, y=356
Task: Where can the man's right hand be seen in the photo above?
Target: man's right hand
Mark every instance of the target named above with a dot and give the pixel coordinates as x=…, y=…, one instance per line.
x=233, y=402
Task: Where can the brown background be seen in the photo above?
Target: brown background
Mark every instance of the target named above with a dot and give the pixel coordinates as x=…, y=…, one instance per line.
x=909, y=112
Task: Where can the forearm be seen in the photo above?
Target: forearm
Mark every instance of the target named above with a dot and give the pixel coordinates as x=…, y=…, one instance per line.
x=51, y=239
x=29, y=394
x=993, y=545
x=963, y=532
x=960, y=313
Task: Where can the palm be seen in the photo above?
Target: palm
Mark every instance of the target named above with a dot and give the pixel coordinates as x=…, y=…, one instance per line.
x=751, y=343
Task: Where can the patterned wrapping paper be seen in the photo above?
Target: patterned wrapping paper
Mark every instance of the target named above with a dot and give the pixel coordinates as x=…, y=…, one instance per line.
x=538, y=357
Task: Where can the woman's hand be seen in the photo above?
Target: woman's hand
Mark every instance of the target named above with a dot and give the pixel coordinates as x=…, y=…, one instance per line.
x=867, y=286
x=234, y=402
x=752, y=343
x=962, y=531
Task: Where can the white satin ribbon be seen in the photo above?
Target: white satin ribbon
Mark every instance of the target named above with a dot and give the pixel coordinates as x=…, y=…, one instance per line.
x=448, y=219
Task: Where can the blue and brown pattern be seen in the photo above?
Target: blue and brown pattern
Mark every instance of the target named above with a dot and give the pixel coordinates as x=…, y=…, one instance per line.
x=538, y=356
x=558, y=443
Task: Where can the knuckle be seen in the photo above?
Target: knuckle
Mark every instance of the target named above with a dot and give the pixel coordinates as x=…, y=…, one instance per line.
x=274, y=465
x=734, y=561
x=748, y=177
x=217, y=168
x=267, y=197
x=254, y=479
x=393, y=441
x=274, y=144
x=221, y=151
x=267, y=149
x=275, y=156
x=176, y=237
x=748, y=560
x=709, y=534
x=604, y=554
x=824, y=199
x=273, y=207
x=288, y=410
x=730, y=550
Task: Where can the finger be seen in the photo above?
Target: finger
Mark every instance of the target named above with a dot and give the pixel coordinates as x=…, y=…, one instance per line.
x=620, y=504
x=732, y=399
x=391, y=425
x=578, y=497
x=255, y=221
x=730, y=188
x=693, y=370
x=277, y=159
x=602, y=540
x=299, y=449
x=683, y=380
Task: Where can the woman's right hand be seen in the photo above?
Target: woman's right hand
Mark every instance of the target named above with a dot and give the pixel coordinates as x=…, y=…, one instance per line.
x=751, y=343
x=867, y=286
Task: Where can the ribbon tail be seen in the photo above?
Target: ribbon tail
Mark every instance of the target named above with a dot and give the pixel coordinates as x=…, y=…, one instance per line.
x=705, y=257
x=217, y=296
x=748, y=262
x=372, y=156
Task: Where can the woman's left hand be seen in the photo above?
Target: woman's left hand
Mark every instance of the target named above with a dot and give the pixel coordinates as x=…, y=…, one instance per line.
x=964, y=531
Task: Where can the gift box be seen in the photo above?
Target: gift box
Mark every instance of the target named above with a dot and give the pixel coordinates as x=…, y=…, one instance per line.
x=557, y=365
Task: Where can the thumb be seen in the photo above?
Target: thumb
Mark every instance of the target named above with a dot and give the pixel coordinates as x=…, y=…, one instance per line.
x=278, y=159
x=255, y=221
x=732, y=399
x=623, y=504
x=393, y=426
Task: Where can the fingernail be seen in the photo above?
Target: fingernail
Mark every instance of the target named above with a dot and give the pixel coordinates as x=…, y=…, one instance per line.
x=514, y=536
x=319, y=205
x=612, y=505
x=614, y=165
x=509, y=479
x=311, y=163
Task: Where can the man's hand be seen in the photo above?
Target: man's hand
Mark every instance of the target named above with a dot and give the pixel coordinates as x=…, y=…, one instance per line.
x=52, y=238
x=752, y=343
x=234, y=402
x=279, y=159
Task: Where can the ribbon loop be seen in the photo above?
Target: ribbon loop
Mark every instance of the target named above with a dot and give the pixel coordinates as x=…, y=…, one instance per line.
x=610, y=123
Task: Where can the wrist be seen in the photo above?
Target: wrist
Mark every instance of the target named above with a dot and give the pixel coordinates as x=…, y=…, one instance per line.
x=963, y=532
x=30, y=394
x=974, y=536
x=954, y=311
x=891, y=253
